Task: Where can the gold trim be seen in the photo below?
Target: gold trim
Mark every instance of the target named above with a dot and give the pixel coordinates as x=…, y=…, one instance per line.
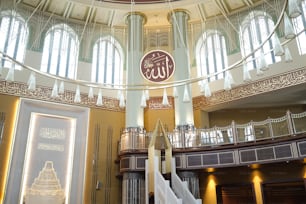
x=178, y=10
x=136, y=13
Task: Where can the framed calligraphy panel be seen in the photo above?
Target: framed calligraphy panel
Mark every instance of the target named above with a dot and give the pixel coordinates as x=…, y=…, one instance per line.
x=157, y=66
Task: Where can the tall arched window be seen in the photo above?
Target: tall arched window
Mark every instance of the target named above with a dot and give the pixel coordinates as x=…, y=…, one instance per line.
x=60, y=52
x=107, y=63
x=254, y=29
x=13, y=36
x=211, y=55
x=299, y=25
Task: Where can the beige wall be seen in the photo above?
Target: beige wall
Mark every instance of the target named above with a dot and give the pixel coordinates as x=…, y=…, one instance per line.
x=241, y=116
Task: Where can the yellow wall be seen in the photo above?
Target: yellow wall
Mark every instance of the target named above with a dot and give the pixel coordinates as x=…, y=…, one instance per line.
x=152, y=116
x=110, y=124
x=8, y=105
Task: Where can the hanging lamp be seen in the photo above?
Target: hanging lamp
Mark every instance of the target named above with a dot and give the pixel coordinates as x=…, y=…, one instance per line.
x=61, y=88
x=10, y=74
x=143, y=102
x=186, y=97
x=175, y=94
x=147, y=94
x=207, y=92
x=246, y=73
x=294, y=8
x=77, y=97
x=288, y=27
x=99, y=99
x=278, y=49
x=165, y=101
x=262, y=63
x=288, y=57
x=121, y=100
x=54, y=92
x=90, y=93
x=228, y=80
x=32, y=81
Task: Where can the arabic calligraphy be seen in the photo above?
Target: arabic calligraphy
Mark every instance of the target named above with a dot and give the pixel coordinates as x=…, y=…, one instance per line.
x=157, y=66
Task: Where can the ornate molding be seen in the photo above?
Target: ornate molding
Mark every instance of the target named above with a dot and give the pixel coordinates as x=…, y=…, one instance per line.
x=155, y=103
x=276, y=82
x=44, y=93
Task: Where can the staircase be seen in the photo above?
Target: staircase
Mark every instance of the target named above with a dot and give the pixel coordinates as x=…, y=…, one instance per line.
x=164, y=193
x=180, y=187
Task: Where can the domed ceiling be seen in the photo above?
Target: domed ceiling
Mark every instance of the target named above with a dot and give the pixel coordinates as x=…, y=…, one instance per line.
x=113, y=12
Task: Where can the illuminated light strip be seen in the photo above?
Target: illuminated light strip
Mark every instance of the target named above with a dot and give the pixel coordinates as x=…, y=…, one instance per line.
x=257, y=186
x=28, y=153
x=70, y=159
x=10, y=141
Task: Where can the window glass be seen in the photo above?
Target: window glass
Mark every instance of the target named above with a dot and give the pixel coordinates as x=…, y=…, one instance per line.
x=211, y=55
x=13, y=37
x=255, y=29
x=60, y=52
x=107, y=65
x=299, y=25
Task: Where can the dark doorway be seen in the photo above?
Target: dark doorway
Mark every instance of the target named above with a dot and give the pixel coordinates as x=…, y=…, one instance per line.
x=235, y=194
x=290, y=192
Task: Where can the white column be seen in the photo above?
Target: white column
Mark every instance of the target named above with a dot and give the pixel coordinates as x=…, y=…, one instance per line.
x=134, y=112
x=183, y=110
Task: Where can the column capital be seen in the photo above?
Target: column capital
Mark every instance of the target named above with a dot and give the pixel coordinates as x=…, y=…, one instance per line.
x=179, y=10
x=136, y=13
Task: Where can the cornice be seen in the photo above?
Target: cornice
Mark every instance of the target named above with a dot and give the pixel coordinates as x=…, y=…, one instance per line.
x=44, y=93
x=276, y=82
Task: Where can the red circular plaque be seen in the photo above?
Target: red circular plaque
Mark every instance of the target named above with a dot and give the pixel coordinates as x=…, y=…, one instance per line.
x=157, y=66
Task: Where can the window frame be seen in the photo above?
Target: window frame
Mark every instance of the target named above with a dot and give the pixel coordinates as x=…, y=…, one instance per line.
x=218, y=46
x=252, y=20
x=302, y=36
x=97, y=66
x=55, y=51
x=15, y=42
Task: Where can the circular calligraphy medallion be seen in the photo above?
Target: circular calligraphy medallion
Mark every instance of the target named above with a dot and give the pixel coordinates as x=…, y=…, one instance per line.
x=157, y=66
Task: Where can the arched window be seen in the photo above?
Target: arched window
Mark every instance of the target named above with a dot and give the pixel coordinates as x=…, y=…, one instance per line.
x=211, y=55
x=60, y=52
x=255, y=29
x=299, y=25
x=13, y=37
x=107, y=63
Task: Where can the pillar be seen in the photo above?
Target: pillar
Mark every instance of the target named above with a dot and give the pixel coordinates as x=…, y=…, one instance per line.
x=183, y=109
x=133, y=184
x=134, y=112
x=133, y=188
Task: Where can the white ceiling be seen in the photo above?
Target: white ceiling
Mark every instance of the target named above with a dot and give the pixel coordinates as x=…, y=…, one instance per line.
x=112, y=13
